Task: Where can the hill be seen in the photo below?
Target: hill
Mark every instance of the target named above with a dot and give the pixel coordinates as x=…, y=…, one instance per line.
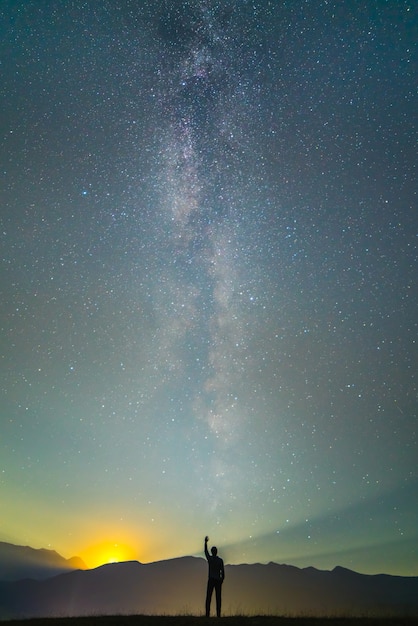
x=17, y=562
x=177, y=586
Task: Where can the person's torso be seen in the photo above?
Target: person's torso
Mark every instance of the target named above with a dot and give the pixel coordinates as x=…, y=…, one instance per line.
x=215, y=567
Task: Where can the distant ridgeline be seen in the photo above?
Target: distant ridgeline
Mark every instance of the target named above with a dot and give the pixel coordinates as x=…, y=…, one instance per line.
x=18, y=562
x=178, y=586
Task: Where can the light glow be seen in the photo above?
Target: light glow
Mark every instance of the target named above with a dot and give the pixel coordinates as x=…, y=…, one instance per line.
x=107, y=552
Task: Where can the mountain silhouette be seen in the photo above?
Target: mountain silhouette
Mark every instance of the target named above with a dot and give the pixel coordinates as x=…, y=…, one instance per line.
x=17, y=562
x=178, y=586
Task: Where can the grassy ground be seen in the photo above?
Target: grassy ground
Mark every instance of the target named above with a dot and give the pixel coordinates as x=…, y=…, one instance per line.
x=188, y=620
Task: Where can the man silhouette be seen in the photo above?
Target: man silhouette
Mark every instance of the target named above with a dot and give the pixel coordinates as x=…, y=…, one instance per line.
x=215, y=579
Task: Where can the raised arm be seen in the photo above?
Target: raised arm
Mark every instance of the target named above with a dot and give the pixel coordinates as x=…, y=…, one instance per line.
x=206, y=547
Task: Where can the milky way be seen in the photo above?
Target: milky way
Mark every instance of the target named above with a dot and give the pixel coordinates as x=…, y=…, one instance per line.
x=202, y=193
x=208, y=304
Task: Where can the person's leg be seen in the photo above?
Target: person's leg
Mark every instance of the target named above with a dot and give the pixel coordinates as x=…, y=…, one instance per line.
x=218, y=590
x=209, y=591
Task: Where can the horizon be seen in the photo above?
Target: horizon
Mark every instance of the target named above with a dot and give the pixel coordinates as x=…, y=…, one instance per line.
x=113, y=560
x=209, y=281
x=177, y=587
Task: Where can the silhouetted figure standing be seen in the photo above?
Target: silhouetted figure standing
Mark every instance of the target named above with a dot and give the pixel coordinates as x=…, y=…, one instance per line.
x=215, y=579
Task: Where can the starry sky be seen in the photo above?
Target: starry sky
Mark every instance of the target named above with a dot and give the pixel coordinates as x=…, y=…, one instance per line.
x=208, y=303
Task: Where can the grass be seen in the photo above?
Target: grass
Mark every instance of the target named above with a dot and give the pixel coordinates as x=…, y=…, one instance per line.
x=235, y=620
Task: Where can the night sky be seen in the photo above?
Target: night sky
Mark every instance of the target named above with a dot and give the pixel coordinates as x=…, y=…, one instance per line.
x=208, y=302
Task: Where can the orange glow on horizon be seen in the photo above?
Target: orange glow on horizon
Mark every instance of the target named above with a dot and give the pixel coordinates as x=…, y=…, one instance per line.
x=107, y=552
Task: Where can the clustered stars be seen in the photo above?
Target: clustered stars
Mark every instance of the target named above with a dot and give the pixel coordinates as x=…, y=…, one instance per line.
x=193, y=147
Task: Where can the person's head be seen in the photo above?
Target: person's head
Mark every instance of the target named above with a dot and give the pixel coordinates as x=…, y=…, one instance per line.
x=214, y=551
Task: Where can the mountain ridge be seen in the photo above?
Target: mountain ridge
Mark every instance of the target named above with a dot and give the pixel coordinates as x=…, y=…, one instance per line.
x=17, y=562
x=178, y=586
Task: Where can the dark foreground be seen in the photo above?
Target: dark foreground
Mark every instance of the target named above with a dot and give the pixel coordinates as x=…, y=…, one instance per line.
x=236, y=620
